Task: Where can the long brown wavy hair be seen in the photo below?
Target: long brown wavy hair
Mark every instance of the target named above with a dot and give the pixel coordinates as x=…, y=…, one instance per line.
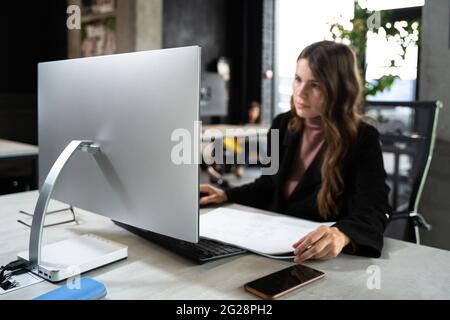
x=335, y=67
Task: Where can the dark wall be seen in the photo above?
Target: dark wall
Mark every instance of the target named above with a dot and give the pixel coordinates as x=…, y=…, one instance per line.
x=18, y=117
x=31, y=32
x=229, y=28
x=245, y=49
x=196, y=22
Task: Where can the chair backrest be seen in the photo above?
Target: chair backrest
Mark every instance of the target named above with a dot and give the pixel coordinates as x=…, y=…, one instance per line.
x=408, y=133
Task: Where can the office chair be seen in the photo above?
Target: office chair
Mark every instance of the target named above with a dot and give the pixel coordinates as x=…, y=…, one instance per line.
x=408, y=132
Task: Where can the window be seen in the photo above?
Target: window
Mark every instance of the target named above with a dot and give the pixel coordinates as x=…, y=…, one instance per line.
x=299, y=23
x=381, y=51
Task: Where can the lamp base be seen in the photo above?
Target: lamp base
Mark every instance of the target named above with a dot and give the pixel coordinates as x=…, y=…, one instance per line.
x=71, y=257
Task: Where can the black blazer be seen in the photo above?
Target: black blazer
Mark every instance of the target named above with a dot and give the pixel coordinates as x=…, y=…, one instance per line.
x=363, y=206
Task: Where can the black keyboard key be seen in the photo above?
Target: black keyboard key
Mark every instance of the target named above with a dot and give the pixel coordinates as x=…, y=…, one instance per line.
x=204, y=250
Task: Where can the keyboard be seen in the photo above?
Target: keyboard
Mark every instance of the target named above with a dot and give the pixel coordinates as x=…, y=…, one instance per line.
x=203, y=251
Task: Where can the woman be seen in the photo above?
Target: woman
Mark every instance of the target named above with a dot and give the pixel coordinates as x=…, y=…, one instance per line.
x=331, y=165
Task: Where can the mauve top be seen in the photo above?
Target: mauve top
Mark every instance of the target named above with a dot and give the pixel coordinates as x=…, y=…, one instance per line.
x=309, y=144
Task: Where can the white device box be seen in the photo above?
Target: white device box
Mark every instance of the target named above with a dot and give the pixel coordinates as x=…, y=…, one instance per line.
x=71, y=257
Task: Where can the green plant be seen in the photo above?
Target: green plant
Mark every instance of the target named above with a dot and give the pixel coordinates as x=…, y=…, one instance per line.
x=406, y=33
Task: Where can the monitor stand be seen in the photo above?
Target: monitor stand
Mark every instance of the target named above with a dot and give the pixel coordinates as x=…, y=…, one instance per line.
x=71, y=257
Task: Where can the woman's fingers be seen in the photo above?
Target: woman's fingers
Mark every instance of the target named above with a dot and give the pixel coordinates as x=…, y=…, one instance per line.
x=206, y=188
x=326, y=253
x=214, y=198
x=329, y=246
x=310, y=239
x=299, y=241
x=319, y=249
x=209, y=198
x=214, y=195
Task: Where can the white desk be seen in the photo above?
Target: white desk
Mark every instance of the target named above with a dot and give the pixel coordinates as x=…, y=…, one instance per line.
x=13, y=149
x=408, y=271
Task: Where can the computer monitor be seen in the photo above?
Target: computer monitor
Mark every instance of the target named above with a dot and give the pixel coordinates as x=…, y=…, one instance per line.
x=130, y=105
x=213, y=96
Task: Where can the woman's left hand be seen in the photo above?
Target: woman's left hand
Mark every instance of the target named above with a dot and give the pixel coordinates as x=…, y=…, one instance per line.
x=323, y=243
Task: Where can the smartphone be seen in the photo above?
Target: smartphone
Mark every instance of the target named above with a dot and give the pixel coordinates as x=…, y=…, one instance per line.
x=284, y=281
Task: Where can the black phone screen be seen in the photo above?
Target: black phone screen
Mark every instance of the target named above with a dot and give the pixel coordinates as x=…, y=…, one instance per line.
x=283, y=281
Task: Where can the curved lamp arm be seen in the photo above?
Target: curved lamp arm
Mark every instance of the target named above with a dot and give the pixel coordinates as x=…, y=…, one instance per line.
x=46, y=192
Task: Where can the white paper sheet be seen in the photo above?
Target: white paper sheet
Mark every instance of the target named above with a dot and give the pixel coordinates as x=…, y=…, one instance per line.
x=266, y=233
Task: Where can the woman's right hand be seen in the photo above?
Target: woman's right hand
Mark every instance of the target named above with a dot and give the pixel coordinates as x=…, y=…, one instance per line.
x=214, y=195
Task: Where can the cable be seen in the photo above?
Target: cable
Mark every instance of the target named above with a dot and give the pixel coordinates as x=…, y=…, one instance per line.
x=12, y=267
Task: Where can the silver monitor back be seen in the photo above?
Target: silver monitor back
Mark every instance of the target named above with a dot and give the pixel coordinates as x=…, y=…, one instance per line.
x=129, y=104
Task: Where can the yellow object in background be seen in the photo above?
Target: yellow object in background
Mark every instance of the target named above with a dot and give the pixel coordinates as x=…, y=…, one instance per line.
x=232, y=144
